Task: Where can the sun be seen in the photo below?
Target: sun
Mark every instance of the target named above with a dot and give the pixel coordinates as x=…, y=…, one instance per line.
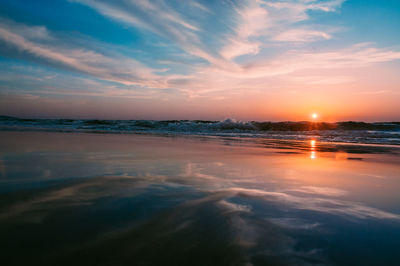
x=314, y=116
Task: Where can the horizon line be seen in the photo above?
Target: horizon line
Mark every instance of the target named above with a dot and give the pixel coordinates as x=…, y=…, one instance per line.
x=203, y=120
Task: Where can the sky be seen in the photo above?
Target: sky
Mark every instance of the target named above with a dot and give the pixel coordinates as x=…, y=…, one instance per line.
x=265, y=60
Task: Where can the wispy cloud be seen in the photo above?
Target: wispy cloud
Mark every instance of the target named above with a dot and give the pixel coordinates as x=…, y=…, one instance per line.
x=359, y=55
x=286, y=67
x=200, y=6
x=260, y=22
x=33, y=42
x=159, y=18
x=299, y=8
x=250, y=21
x=301, y=35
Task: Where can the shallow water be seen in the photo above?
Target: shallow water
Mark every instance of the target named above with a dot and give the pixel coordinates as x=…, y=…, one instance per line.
x=108, y=199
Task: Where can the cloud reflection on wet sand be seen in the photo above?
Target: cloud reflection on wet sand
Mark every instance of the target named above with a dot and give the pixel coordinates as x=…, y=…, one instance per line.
x=206, y=204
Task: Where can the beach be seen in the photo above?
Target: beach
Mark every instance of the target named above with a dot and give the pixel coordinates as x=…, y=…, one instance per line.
x=142, y=199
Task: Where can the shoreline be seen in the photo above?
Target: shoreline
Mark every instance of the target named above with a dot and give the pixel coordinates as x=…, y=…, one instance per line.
x=221, y=136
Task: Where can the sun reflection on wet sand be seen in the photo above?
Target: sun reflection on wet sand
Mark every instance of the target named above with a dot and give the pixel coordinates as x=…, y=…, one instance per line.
x=313, y=154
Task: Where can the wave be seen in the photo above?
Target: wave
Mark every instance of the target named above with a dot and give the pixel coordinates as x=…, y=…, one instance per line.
x=358, y=132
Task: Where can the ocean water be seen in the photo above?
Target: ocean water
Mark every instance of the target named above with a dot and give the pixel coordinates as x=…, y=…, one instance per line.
x=128, y=199
x=350, y=132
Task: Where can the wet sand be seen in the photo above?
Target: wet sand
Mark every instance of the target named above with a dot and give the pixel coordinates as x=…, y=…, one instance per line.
x=109, y=199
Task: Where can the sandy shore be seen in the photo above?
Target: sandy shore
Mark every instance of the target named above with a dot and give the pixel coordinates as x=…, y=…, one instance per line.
x=105, y=199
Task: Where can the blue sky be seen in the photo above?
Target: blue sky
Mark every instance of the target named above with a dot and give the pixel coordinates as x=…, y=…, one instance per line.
x=250, y=60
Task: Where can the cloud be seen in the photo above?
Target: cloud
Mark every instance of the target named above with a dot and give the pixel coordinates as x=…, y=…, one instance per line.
x=162, y=19
x=286, y=68
x=298, y=9
x=301, y=35
x=359, y=55
x=323, y=80
x=250, y=21
x=200, y=6
x=273, y=21
x=29, y=41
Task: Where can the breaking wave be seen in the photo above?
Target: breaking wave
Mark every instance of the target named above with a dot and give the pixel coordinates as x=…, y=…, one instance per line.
x=355, y=132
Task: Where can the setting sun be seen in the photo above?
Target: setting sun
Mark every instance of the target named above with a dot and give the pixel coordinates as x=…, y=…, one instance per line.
x=314, y=115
